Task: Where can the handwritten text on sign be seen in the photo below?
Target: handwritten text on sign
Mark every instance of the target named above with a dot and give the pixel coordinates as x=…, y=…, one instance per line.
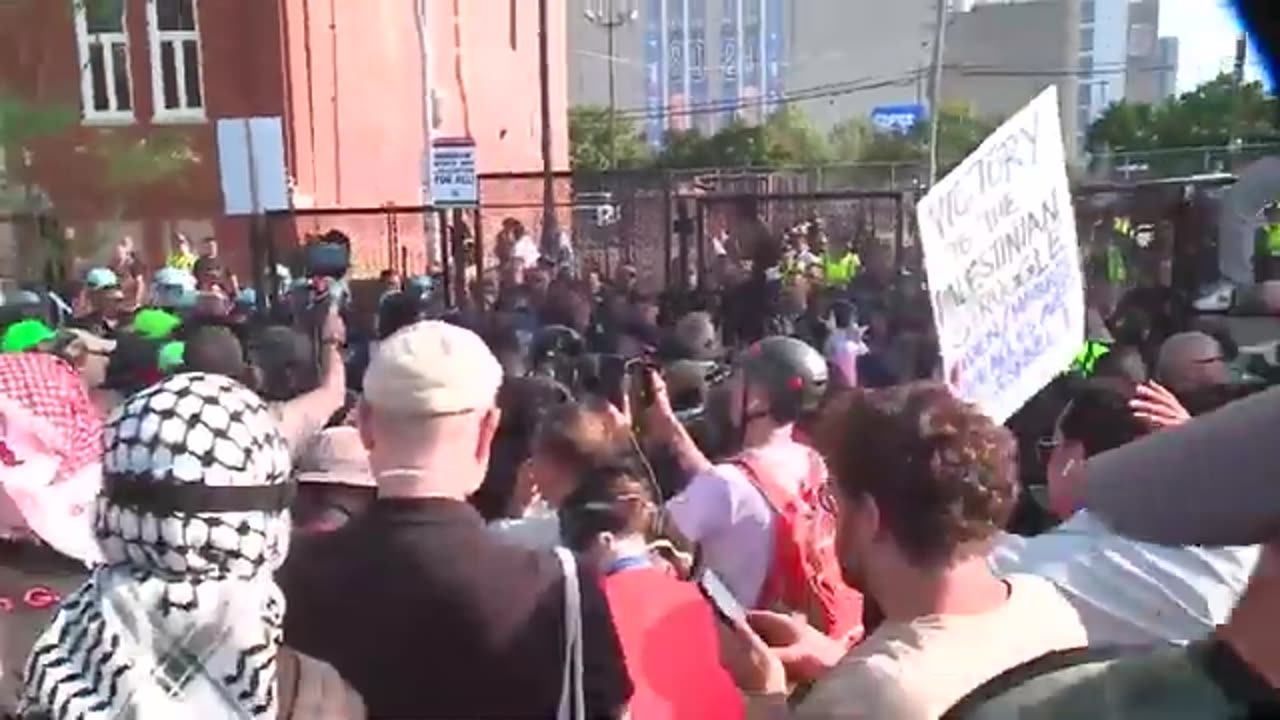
x=1000, y=252
x=453, y=173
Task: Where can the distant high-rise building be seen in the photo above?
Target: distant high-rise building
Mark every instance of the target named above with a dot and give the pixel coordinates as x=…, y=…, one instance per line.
x=1104, y=59
x=1099, y=52
x=1168, y=71
x=1000, y=55
x=1122, y=57
x=680, y=64
x=1153, y=61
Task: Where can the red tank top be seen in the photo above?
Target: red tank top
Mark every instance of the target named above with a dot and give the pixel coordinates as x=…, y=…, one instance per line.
x=670, y=642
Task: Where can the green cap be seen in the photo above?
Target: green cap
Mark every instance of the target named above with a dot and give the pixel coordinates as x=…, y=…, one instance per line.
x=26, y=335
x=172, y=356
x=154, y=324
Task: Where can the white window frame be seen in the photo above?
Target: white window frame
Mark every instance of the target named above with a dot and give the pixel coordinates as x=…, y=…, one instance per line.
x=156, y=39
x=113, y=115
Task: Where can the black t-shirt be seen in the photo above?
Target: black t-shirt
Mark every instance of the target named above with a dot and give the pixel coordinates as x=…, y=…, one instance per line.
x=429, y=615
x=759, y=245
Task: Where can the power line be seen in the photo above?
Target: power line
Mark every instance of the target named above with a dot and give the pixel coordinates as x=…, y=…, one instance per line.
x=849, y=87
x=719, y=106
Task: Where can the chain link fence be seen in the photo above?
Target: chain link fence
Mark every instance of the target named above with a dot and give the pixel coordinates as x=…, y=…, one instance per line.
x=628, y=217
x=1177, y=162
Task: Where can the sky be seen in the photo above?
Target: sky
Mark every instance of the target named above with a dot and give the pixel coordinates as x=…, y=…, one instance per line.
x=1206, y=32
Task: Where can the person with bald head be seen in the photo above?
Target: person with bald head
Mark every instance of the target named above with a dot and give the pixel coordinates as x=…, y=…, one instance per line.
x=1191, y=362
x=439, y=597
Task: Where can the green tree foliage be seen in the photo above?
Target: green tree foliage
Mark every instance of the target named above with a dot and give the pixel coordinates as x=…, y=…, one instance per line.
x=793, y=139
x=849, y=140
x=787, y=137
x=1203, y=117
x=590, y=135
x=22, y=122
x=137, y=163
x=736, y=145
x=960, y=131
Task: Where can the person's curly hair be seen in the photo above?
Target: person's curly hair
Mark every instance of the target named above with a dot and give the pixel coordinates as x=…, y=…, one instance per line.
x=943, y=474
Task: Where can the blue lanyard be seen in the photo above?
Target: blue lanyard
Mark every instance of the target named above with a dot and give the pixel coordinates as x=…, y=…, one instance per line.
x=628, y=562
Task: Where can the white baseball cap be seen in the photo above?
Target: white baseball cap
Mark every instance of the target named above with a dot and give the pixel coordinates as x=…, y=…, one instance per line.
x=432, y=368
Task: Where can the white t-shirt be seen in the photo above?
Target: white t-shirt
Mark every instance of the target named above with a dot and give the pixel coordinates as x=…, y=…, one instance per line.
x=842, y=349
x=526, y=251
x=724, y=512
x=917, y=670
x=1128, y=592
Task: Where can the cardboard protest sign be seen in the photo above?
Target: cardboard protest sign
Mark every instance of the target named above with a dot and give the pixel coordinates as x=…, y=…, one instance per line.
x=1003, y=266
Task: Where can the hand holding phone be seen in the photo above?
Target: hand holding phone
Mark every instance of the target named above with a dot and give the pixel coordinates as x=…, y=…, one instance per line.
x=640, y=372
x=613, y=381
x=722, y=601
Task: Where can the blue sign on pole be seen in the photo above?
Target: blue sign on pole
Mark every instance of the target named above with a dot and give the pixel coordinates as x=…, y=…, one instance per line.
x=897, y=118
x=654, y=67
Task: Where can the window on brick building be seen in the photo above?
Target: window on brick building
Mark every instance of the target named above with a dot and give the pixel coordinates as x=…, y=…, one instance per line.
x=106, y=85
x=176, y=72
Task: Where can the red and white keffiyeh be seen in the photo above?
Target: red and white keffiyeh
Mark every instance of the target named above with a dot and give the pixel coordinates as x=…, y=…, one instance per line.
x=50, y=454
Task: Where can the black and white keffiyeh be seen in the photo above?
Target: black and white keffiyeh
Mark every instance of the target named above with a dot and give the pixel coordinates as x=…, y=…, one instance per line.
x=184, y=619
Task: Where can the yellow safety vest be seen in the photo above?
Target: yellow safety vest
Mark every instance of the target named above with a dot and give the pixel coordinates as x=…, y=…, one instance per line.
x=1086, y=361
x=1122, y=226
x=1116, y=270
x=1273, y=240
x=841, y=270
x=182, y=261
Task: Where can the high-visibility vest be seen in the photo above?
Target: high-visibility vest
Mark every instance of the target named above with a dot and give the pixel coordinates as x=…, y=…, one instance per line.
x=1086, y=360
x=791, y=267
x=181, y=261
x=841, y=270
x=1273, y=239
x=1117, y=272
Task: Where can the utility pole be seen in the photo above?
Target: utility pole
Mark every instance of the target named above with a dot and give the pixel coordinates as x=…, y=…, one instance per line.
x=935, y=86
x=1237, y=99
x=549, y=228
x=611, y=19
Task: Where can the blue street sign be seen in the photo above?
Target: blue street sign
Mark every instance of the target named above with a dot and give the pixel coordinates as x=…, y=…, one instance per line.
x=897, y=118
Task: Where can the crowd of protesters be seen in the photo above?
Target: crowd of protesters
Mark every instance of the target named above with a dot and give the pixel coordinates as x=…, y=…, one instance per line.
x=569, y=498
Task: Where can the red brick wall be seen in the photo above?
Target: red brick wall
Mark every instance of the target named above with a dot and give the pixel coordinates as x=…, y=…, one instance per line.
x=242, y=76
x=344, y=75
x=355, y=102
x=489, y=87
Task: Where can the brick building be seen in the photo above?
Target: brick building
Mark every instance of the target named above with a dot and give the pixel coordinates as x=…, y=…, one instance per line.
x=149, y=79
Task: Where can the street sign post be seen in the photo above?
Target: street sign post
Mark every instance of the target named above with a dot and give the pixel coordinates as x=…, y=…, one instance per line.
x=453, y=173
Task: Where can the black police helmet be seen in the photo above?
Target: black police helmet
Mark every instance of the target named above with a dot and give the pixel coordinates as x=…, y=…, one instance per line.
x=556, y=340
x=695, y=337
x=793, y=375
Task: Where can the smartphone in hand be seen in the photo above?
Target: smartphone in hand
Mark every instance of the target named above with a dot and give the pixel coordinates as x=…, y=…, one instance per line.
x=640, y=371
x=613, y=382
x=722, y=601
